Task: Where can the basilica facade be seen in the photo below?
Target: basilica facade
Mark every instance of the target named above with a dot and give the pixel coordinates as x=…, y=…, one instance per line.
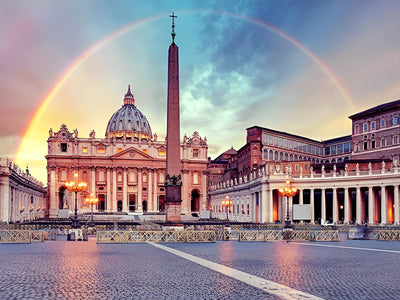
x=126, y=169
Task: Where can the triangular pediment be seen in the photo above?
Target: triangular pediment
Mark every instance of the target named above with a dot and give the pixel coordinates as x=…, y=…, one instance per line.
x=132, y=153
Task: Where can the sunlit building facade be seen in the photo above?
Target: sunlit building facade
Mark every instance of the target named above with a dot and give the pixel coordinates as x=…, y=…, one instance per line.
x=126, y=169
x=348, y=179
x=22, y=197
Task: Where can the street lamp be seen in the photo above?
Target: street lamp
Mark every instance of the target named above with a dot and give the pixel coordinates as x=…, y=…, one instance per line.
x=227, y=203
x=75, y=186
x=287, y=191
x=92, y=200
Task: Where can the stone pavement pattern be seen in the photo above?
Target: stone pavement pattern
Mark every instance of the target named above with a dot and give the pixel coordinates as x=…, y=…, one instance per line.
x=85, y=270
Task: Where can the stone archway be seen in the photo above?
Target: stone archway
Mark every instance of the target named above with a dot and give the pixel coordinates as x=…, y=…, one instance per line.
x=195, y=200
x=63, y=198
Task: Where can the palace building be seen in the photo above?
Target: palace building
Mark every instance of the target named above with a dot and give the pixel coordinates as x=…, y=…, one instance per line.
x=353, y=178
x=126, y=169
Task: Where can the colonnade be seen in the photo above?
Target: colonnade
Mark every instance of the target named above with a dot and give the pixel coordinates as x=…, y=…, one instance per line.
x=372, y=199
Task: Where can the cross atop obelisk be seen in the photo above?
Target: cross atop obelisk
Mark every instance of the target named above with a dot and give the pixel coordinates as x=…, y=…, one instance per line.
x=173, y=178
x=173, y=25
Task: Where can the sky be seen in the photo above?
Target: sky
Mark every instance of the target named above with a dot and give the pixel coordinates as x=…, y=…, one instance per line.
x=298, y=66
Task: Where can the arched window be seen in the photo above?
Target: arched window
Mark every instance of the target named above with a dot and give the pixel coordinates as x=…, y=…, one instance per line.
x=286, y=156
x=276, y=155
x=265, y=154
x=119, y=177
x=271, y=154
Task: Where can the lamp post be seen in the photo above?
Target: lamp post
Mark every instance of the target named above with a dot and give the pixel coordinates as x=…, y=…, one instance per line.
x=287, y=191
x=75, y=186
x=92, y=201
x=227, y=203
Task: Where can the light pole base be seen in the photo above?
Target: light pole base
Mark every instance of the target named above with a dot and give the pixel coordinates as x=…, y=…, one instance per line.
x=288, y=224
x=75, y=223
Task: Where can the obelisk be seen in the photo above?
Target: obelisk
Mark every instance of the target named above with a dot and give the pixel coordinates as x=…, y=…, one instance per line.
x=173, y=178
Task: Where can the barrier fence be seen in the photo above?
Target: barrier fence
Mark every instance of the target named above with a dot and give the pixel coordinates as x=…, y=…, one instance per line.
x=21, y=236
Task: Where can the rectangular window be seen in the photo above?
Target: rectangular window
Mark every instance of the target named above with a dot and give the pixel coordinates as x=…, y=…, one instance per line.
x=195, y=178
x=383, y=142
x=101, y=150
x=382, y=123
x=373, y=124
x=365, y=127
x=195, y=152
x=395, y=120
x=395, y=139
x=161, y=152
x=63, y=147
x=372, y=144
x=84, y=149
x=356, y=129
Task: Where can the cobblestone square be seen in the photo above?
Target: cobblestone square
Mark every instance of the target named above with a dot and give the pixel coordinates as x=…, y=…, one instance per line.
x=86, y=270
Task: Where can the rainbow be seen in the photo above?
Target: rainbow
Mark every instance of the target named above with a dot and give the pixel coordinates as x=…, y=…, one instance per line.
x=65, y=75
x=332, y=77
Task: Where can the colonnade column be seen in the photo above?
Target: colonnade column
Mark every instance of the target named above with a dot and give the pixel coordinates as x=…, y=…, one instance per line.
x=384, y=206
x=396, y=204
x=185, y=207
x=335, y=206
x=109, y=206
x=312, y=206
x=371, y=206
x=139, y=191
x=300, y=196
x=358, y=205
x=124, y=191
x=346, y=206
x=114, y=189
x=323, y=205
x=150, y=190
x=267, y=205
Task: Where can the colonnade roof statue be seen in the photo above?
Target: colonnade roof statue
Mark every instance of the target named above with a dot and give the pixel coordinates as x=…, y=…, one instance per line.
x=128, y=122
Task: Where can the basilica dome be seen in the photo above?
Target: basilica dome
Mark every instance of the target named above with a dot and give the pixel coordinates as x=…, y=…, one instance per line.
x=128, y=122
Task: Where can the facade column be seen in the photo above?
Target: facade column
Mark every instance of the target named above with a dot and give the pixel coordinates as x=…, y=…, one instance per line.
x=384, y=206
x=114, y=190
x=53, y=211
x=312, y=221
x=139, y=191
x=267, y=205
x=396, y=204
x=346, y=206
x=185, y=207
x=93, y=181
x=109, y=206
x=335, y=206
x=371, y=206
x=323, y=205
x=301, y=196
x=155, y=191
x=203, y=191
x=124, y=191
x=358, y=205
x=150, y=190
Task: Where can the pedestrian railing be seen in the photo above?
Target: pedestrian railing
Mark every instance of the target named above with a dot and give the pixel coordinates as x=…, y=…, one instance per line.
x=389, y=235
x=182, y=236
x=21, y=236
x=289, y=235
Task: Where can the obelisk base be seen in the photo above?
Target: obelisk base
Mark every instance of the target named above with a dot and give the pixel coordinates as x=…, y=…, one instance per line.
x=173, y=204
